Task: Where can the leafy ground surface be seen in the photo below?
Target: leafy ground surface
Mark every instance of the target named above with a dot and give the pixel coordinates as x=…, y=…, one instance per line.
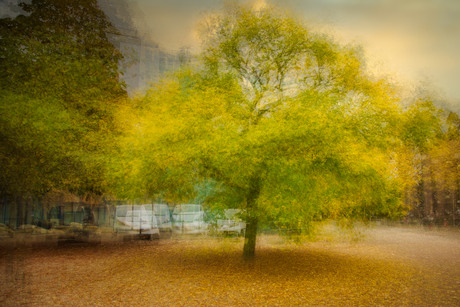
x=388, y=267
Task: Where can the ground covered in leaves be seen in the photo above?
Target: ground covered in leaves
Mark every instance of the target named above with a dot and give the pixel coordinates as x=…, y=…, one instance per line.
x=388, y=267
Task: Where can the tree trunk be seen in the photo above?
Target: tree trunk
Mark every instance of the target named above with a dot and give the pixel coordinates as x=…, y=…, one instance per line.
x=250, y=239
x=252, y=220
x=13, y=218
x=21, y=204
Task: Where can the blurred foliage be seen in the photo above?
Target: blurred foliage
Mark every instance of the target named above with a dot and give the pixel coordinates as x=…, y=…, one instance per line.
x=59, y=86
x=60, y=49
x=444, y=159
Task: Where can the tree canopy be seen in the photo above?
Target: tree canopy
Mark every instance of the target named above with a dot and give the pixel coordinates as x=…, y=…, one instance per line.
x=60, y=48
x=59, y=85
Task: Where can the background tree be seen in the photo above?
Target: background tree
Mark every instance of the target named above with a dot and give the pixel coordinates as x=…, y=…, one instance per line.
x=444, y=166
x=283, y=121
x=421, y=132
x=59, y=86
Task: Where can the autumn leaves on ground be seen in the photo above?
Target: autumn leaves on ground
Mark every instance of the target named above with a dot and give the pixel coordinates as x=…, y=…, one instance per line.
x=388, y=267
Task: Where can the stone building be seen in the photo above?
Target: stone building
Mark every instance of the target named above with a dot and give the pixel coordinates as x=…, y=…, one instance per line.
x=145, y=60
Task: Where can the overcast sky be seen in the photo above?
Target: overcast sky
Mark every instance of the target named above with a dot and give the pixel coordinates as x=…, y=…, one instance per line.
x=412, y=38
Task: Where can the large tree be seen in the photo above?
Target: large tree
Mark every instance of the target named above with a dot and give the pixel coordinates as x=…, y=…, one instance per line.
x=284, y=122
x=58, y=89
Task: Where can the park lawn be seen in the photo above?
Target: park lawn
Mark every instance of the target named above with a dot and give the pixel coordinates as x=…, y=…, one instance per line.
x=210, y=272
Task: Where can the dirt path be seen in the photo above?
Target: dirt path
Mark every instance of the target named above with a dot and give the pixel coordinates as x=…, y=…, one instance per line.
x=389, y=267
x=435, y=253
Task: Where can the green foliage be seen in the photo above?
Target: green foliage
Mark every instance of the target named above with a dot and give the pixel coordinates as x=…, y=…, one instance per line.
x=453, y=121
x=60, y=48
x=59, y=86
x=422, y=125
